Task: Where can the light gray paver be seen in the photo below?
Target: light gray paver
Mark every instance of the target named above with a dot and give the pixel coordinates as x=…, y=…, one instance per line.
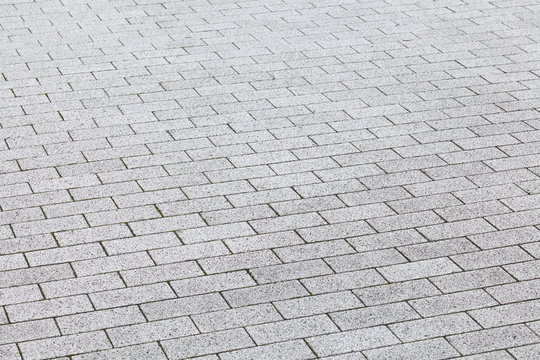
x=273, y=179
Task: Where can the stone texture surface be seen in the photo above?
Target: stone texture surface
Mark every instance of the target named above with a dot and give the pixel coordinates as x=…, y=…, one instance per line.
x=270, y=179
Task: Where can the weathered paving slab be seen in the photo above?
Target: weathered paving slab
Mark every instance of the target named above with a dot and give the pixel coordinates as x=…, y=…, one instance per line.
x=270, y=179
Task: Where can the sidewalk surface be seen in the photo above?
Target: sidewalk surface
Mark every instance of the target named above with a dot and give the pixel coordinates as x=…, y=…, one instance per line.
x=269, y=179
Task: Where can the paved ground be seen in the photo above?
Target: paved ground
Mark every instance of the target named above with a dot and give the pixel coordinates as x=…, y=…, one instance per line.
x=229, y=179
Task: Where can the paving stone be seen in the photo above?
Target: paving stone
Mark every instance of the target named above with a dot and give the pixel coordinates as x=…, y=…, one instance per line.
x=35, y=275
x=258, y=294
x=239, y=317
x=506, y=237
x=151, y=331
x=296, y=270
x=238, y=261
x=10, y=352
x=81, y=285
x=30, y=330
x=386, y=240
x=221, y=341
x=493, y=339
x=487, y=258
x=373, y=315
x=506, y=314
x=437, y=249
x=98, y=320
x=141, y=243
x=190, y=252
x=317, y=304
x=65, y=345
x=419, y=269
x=524, y=290
x=428, y=349
x=295, y=349
x=492, y=355
x=132, y=295
x=292, y=252
x=401, y=291
x=184, y=306
x=49, y=308
x=473, y=279
x=343, y=281
x=524, y=271
x=433, y=327
x=13, y=295
x=108, y=264
x=445, y=304
x=353, y=340
x=525, y=352
x=212, y=283
x=291, y=329
x=456, y=229
x=150, y=351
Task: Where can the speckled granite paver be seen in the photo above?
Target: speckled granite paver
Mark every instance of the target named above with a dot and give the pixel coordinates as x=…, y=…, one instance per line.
x=270, y=179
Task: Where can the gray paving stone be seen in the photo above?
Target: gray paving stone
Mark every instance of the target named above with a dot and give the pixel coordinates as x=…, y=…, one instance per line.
x=238, y=261
x=526, y=352
x=456, y=229
x=450, y=303
x=204, y=344
x=487, y=258
x=317, y=304
x=49, y=308
x=524, y=271
x=291, y=329
x=184, y=306
x=99, y=320
x=30, y=330
x=35, y=275
x=295, y=349
x=353, y=340
x=506, y=237
x=10, y=352
x=493, y=339
x=258, y=294
x=292, y=252
x=296, y=270
x=212, y=283
x=473, y=279
x=373, y=315
x=433, y=327
x=189, y=252
x=419, y=269
x=427, y=349
x=524, y=290
x=150, y=351
x=240, y=317
x=365, y=260
x=437, y=249
x=132, y=295
x=112, y=263
x=506, y=314
x=503, y=355
x=401, y=291
x=151, y=331
x=140, y=243
x=386, y=240
x=80, y=285
x=65, y=345
x=343, y=281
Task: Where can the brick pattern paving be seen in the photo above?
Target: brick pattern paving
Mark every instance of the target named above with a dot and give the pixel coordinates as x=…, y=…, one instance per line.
x=270, y=179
